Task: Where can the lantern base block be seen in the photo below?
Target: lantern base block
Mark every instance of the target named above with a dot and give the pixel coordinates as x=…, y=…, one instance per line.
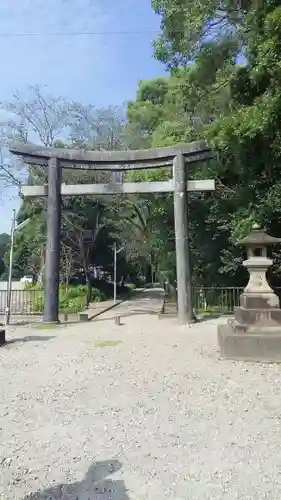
x=258, y=300
x=257, y=318
x=255, y=343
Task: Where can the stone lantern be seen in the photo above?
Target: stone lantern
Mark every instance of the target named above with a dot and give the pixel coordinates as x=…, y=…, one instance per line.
x=257, y=264
x=255, y=332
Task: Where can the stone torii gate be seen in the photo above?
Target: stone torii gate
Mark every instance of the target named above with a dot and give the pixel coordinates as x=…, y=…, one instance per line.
x=178, y=157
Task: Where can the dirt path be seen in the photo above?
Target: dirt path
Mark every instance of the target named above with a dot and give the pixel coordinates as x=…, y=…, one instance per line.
x=147, y=301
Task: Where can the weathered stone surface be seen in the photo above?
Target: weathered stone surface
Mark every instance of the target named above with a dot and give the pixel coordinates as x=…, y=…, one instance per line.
x=255, y=332
x=259, y=301
x=258, y=317
x=250, y=346
x=83, y=317
x=79, y=158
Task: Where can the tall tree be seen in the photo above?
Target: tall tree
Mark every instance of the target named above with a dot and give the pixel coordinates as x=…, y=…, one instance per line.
x=36, y=116
x=236, y=106
x=187, y=25
x=54, y=122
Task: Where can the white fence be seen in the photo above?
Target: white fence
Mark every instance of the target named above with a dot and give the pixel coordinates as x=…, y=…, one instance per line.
x=16, y=285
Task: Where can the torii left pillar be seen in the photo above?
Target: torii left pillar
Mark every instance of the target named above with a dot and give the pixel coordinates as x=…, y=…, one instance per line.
x=52, y=261
x=184, y=286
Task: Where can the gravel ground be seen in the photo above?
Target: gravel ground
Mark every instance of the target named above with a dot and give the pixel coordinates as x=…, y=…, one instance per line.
x=136, y=412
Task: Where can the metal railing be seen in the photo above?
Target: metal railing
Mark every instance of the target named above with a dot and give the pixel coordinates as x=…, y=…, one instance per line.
x=206, y=300
x=23, y=302
x=220, y=300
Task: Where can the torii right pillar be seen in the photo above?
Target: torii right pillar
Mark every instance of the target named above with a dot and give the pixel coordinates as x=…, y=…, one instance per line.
x=255, y=332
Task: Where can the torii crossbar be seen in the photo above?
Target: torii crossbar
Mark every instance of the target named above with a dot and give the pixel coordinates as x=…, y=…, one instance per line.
x=55, y=159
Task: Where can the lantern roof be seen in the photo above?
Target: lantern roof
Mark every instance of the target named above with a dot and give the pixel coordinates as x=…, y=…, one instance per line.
x=258, y=237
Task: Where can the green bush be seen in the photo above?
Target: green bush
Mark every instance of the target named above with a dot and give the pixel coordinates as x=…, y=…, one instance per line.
x=72, y=299
x=30, y=286
x=131, y=286
x=38, y=304
x=97, y=295
x=71, y=292
x=74, y=305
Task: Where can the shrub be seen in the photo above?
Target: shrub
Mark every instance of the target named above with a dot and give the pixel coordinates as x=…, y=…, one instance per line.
x=38, y=305
x=97, y=295
x=131, y=286
x=71, y=292
x=30, y=286
x=72, y=299
x=74, y=305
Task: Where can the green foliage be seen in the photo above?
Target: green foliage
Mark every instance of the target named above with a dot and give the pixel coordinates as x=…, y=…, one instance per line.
x=236, y=108
x=4, y=244
x=4, y=248
x=72, y=299
x=187, y=24
x=97, y=295
x=131, y=286
x=234, y=104
x=30, y=286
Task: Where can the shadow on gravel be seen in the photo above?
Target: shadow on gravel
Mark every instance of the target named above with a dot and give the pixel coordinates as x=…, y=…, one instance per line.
x=127, y=315
x=203, y=319
x=94, y=486
x=29, y=338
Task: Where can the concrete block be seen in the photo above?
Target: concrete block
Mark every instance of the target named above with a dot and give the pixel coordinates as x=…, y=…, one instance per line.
x=264, y=317
x=83, y=317
x=250, y=346
x=117, y=320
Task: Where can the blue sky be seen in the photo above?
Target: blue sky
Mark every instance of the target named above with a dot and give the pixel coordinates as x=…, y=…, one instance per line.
x=100, y=69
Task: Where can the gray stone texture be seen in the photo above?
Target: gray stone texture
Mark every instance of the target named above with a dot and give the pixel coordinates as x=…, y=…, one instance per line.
x=255, y=332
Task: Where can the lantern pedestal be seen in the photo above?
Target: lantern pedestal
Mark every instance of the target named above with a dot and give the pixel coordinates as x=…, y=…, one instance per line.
x=254, y=334
x=255, y=345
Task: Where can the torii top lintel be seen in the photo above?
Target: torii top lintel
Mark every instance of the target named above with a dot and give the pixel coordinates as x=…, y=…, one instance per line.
x=132, y=159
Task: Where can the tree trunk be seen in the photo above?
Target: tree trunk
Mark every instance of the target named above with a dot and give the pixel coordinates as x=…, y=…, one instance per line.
x=148, y=274
x=40, y=277
x=89, y=287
